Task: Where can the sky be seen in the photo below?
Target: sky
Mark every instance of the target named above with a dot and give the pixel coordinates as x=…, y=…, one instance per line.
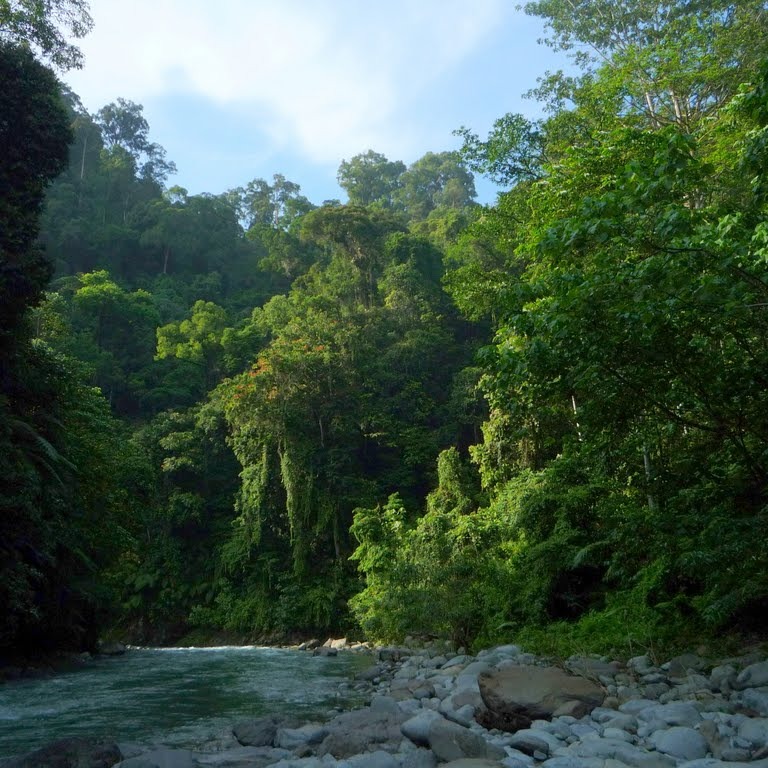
x=242, y=89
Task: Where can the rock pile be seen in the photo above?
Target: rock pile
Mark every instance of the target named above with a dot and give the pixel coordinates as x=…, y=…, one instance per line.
x=508, y=708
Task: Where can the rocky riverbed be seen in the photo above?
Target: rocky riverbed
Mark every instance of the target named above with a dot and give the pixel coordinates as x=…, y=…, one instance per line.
x=503, y=707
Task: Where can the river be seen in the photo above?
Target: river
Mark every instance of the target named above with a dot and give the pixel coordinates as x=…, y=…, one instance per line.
x=183, y=697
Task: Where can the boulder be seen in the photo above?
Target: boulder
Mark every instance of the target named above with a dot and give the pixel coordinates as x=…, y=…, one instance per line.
x=353, y=733
x=295, y=738
x=69, y=753
x=451, y=741
x=680, y=742
x=517, y=695
x=161, y=758
x=112, y=649
x=260, y=732
x=754, y=676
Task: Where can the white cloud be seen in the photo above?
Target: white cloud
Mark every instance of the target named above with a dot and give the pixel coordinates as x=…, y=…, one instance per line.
x=331, y=77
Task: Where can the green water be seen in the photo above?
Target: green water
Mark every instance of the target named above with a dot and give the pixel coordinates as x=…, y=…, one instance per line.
x=185, y=697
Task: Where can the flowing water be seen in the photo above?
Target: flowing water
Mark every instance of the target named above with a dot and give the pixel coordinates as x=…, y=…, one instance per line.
x=184, y=697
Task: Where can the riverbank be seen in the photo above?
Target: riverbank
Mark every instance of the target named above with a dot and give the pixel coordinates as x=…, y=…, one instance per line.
x=502, y=707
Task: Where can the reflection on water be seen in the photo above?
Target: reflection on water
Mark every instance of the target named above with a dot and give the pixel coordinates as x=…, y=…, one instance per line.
x=178, y=696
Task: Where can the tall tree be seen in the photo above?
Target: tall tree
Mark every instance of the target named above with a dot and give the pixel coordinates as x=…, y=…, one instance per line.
x=39, y=22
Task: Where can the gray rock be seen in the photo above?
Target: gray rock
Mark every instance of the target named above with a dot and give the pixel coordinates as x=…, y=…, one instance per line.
x=627, y=723
x=472, y=762
x=755, y=731
x=607, y=749
x=450, y=741
x=523, y=693
x=69, y=753
x=680, y=742
x=709, y=762
x=636, y=706
x=655, y=690
x=361, y=730
x=418, y=758
x=593, y=669
x=640, y=664
x=617, y=733
x=754, y=676
x=377, y=759
x=736, y=754
x=161, y=758
x=293, y=738
x=112, y=649
x=722, y=677
x=682, y=713
x=565, y=762
x=529, y=742
x=417, y=728
x=682, y=665
x=243, y=757
x=756, y=699
x=259, y=732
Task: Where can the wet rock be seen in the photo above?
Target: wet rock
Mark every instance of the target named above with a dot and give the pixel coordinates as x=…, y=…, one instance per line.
x=161, y=758
x=294, y=738
x=261, y=731
x=70, y=753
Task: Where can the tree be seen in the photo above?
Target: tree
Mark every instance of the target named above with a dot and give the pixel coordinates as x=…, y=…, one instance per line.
x=124, y=129
x=197, y=339
x=435, y=180
x=369, y=178
x=39, y=22
x=35, y=137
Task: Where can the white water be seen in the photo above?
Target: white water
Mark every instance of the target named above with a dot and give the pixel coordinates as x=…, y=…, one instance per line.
x=181, y=696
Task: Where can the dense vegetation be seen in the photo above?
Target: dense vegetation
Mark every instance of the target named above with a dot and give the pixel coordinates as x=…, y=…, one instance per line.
x=407, y=413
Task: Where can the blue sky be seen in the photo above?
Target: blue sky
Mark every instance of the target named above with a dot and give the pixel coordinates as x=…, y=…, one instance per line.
x=241, y=89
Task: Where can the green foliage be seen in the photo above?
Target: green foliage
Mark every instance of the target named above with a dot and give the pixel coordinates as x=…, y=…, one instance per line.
x=38, y=22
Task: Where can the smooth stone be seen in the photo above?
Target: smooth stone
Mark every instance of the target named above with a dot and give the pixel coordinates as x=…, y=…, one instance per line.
x=418, y=758
x=257, y=733
x=377, y=759
x=682, y=713
x=756, y=699
x=529, y=742
x=754, y=676
x=636, y=706
x=450, y=741
x=709, y=762
x=417, y=728
x=680, y=742
x=293, y=738
x=617, y=733
x=608, y=749
x=755, y=731
x=627, y=723
x=536, y=692
x=161, y=758
x=472, y=762
x=66, y=753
